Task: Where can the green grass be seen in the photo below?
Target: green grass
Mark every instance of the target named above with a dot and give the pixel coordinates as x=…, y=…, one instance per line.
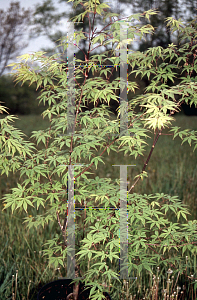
x=21, y=249
x=28, y=123
x=172, y=170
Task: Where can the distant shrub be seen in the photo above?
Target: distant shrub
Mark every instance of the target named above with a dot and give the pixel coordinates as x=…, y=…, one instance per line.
x=19, y=99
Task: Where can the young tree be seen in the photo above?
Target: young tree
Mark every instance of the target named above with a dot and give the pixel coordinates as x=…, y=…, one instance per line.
x=13, y=24
x=158, y=232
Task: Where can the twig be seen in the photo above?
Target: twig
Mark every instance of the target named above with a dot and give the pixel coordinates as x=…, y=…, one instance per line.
x=148, y=158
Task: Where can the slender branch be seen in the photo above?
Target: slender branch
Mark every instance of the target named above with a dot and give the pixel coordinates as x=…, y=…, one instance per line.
x=150, y=153
x=148, y=158
x=58, y=219
x=86, y=76
x=93, y=19
x=172, y=266
x=47, y=144
x=77, y=112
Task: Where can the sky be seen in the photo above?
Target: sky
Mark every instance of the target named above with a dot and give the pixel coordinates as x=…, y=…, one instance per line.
x=42, y=41
x=34, y=44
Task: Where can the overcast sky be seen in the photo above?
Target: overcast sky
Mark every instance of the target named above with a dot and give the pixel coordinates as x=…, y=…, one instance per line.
x=34, y=44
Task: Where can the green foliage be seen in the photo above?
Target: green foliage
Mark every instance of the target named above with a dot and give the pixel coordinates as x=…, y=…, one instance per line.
x=159, y=233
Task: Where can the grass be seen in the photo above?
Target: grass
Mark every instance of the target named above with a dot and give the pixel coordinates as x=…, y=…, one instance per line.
x=22, y=250
x=28, y=123
x=172, y=170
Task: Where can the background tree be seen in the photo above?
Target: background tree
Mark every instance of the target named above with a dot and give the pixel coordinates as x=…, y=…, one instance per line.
x=186, y=10
x=191, y=6
x=13, y=24
x=44, y=19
